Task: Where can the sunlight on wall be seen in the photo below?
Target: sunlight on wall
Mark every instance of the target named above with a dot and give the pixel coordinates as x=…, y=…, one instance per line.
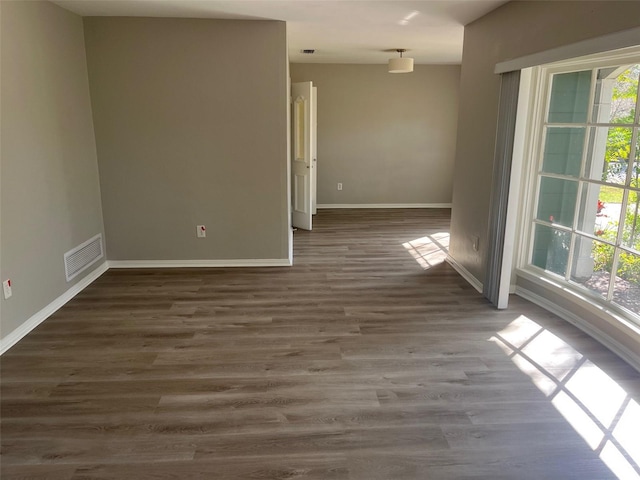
x=594, y=404
x=429, y=250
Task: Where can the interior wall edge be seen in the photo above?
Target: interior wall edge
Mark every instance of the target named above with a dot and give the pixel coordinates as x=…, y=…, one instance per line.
x=466, y=274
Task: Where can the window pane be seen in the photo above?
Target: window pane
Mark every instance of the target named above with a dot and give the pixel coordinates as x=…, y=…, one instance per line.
x=588, y=155
x=634, y=181
x=569, y=101
x=627, y=287
x=600, y=207
x=550, y=249
x=591, y=264
x=563, y=151
x=631, y=228
x=608, y=154
x=631, y=235
x=616, y=94
x=557, y=200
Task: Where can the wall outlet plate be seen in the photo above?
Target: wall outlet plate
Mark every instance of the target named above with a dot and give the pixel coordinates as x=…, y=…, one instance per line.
x=201, y=231
x=6, y=288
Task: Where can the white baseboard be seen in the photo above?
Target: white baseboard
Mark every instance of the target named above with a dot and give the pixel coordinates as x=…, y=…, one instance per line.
x=15, y=336
x=466, y=274
x=384, y=205
x=242, y=262
x=628, y=355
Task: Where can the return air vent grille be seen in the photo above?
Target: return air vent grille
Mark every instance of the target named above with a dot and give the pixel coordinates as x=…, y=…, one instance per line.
x=83, y=256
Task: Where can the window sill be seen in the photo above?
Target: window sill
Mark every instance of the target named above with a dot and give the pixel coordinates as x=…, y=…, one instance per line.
x=615, y=331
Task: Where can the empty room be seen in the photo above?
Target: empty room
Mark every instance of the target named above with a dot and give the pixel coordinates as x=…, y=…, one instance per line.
x=319, y=239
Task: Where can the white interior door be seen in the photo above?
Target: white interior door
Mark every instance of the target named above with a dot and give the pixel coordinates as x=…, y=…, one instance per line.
x=301, y=158
x=314, y=150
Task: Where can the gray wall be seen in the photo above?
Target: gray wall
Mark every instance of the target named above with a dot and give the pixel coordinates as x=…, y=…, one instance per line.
x=50, y=200
x=513, y=30
x=388, y=138
x=190, y=122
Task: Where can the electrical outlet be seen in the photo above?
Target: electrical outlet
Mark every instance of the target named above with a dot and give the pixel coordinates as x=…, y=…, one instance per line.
x=6, y=287
x=201, y=231
x=475, y=243
x=339, y=186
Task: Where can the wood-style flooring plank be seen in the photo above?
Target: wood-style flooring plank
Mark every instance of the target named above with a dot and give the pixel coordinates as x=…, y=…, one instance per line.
x=370, y=358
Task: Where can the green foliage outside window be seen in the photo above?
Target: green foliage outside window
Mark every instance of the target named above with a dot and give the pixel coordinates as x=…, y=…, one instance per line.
x=628, y=264
x=617, y=158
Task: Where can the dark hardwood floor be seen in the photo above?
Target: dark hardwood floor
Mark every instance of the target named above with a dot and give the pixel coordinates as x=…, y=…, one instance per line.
x=368, y=359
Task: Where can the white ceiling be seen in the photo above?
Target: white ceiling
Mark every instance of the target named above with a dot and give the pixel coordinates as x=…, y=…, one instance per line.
x=341, y=31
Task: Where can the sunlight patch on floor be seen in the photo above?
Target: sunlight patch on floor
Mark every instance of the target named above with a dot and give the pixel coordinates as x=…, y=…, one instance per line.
x=593, y=403
x=429, y=250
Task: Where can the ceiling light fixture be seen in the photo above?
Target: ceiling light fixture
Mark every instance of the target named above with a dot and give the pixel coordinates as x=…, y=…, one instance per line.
x=400, y=65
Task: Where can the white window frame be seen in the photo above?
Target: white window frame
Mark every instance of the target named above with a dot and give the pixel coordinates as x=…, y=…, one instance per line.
x=529, y=144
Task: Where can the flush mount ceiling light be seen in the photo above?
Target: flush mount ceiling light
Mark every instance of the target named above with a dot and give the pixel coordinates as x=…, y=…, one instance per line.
x=400, y=65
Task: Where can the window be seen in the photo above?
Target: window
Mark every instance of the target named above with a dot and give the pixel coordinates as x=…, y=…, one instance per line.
x=585, y=222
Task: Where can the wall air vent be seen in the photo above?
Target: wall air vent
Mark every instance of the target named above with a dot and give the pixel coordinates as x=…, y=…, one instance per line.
x=309, y=51
x=83, y=256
